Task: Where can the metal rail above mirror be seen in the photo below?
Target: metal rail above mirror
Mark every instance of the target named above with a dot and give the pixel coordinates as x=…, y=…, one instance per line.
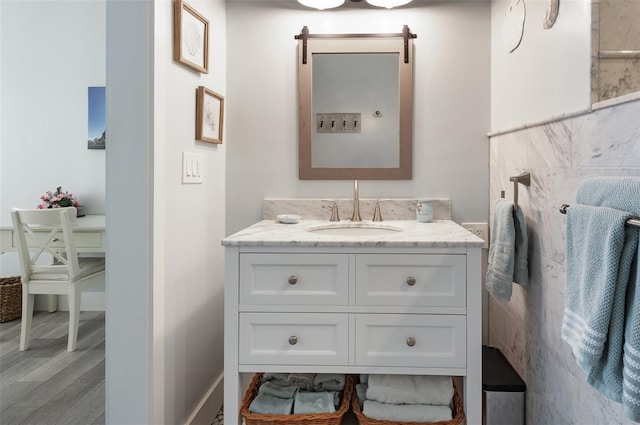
x=355, y=96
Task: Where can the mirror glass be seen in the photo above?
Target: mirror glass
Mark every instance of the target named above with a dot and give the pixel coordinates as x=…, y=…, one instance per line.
x=368, y=91
x=355, y=109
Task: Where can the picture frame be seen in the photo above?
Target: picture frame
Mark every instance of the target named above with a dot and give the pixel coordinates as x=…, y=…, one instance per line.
x=209, y=115
x=96, y=128
x=190, y=37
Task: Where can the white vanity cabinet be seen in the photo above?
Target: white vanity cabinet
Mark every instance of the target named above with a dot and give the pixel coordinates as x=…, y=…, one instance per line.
x=320, y=304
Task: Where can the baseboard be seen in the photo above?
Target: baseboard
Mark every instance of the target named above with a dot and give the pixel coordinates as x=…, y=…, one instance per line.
x=210, y=404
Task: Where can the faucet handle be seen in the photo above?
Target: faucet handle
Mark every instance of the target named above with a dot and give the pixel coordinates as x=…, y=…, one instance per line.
x=335, y=216
x=377, y=215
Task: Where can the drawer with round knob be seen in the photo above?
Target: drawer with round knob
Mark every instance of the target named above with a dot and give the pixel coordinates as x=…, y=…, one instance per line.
x=301, y=279
x=429, y=280
x=293, y=339
x=411, y=340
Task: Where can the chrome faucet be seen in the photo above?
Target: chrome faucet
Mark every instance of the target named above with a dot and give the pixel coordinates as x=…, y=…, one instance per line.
x=356, y=203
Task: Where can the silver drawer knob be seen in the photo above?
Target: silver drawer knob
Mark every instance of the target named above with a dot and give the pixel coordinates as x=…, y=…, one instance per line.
x=411, y=281
x=293, y=340
x=293, y=280
x=55, y=240
x=411, y=341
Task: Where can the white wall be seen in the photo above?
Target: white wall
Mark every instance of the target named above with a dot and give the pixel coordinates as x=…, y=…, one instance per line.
x=166, y=270
x=549, y=74
x=44, y=76
x=44, y=101
x=451, y=103
x=189, y=224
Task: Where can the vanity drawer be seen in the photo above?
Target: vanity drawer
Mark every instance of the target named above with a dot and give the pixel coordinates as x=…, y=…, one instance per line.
x=410, y=340
x=293, y=339
x=301, y=279
x=429, y=280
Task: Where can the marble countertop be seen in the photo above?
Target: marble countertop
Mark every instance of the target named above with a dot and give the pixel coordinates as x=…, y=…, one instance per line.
x=436, y=234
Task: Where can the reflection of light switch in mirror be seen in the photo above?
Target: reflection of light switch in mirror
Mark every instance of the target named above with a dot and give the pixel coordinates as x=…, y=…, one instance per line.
x=191, y=167
x=338, y=123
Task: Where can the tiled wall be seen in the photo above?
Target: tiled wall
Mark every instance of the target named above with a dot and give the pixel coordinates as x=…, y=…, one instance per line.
x=616, y=29
x=527, y=329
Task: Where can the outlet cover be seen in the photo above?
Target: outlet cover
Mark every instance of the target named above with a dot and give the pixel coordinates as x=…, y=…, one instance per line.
x=481, y=230
x=191, y=168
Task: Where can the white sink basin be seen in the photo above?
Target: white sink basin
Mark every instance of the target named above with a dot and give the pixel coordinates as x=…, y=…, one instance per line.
x=355, y=229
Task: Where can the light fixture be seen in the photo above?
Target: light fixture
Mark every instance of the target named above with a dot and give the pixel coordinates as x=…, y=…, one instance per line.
x=321, y=4
x=387, y=3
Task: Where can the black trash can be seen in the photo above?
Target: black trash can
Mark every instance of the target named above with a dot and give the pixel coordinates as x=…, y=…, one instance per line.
x=503, y=391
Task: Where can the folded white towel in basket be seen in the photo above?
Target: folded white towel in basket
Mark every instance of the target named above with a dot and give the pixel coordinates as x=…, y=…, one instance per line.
x=410, y=389
x=406, y=412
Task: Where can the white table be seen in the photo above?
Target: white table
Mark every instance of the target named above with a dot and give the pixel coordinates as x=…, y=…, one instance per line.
x=89, y=236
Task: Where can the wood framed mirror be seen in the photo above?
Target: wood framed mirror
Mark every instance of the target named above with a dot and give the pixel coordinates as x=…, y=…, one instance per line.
x=355, y=95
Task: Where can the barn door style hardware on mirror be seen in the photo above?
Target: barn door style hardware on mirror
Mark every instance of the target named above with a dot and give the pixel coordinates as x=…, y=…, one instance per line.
x=355, y=94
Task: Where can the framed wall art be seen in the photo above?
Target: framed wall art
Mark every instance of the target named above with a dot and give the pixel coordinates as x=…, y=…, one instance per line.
x=96, y=129
x=209, y=115
x=190, y=38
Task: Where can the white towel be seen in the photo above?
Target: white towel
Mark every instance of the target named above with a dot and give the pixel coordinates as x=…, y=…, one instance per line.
x=410, y=389
x=406, y=412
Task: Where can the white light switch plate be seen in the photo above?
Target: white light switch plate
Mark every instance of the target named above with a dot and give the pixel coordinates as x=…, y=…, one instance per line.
x=191, y=168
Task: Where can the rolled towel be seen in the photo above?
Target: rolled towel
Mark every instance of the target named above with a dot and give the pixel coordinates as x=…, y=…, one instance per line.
x=266, y=404
x=281, y=379
x=329, y=382
x=361, y=393
x=279, y=391
x=406, y=412
x=364, y=378
x=309, y=402
x=304, y=381
x=410, y=389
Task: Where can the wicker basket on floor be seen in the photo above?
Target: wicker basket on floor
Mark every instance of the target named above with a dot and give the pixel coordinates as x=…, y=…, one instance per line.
x=10, y=298
x=457, y=410
x=334, y=418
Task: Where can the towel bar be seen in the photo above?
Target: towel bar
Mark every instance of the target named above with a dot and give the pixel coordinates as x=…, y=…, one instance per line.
x=524, y=178
x=631, y=222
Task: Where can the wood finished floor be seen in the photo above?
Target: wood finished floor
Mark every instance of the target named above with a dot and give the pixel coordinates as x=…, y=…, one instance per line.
x=46, y=385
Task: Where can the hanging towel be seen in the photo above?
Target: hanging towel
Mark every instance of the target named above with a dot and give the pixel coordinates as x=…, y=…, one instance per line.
x=595, y=241
x=602, y=317
x=521, y=257
x=406, y=412
x=507, y=251
x=631, y=365
x=410, y=389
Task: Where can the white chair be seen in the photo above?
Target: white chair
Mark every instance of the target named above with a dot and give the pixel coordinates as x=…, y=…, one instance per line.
x=50, y=231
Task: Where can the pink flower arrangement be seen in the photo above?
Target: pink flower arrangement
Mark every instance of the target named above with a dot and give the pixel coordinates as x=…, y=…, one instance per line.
x=58, y=199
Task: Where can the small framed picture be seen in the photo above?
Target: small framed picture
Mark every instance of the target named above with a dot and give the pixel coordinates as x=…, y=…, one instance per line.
x=190, y=38
x=209, y=115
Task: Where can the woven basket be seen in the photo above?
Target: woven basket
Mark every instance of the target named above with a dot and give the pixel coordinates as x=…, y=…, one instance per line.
x=10, y=298
x=457, y=410
x=334, y=418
